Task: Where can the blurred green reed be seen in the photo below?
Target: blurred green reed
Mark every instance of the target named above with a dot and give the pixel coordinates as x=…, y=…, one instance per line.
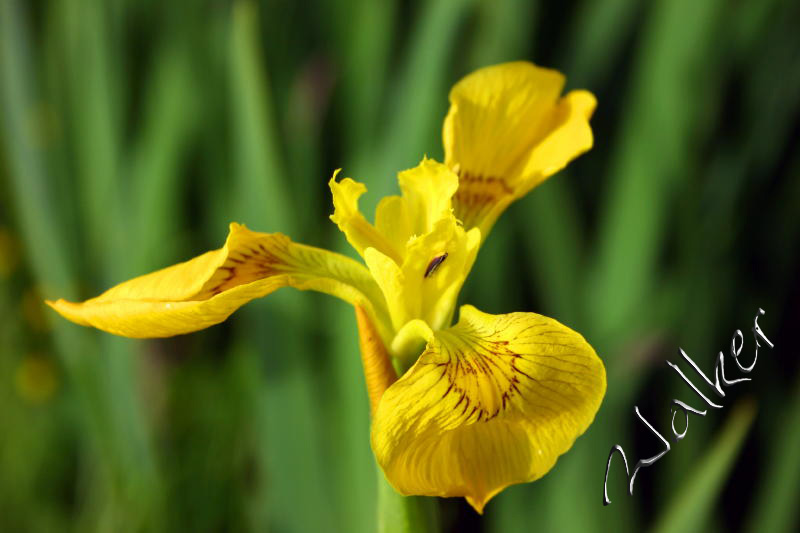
x=131, y=133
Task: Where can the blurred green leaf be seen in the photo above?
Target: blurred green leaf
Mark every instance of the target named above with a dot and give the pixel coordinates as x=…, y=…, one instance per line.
x=111, y=417
x=286, y=405
x=132, y=132
x=95, y=134
x=692, y=504
x=596, y=40
x=418, y=99
x=503, y=31
x=364, y=31
x=260, y=188
x=774, y=506
x=155, y=173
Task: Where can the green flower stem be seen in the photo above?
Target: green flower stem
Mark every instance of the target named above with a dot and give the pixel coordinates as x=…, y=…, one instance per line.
x=404, y=514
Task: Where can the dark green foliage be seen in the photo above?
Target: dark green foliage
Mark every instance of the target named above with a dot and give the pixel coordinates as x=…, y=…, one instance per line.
x=132, y=132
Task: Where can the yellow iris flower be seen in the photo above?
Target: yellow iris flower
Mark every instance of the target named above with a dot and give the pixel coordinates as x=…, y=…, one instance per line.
x=491, y=401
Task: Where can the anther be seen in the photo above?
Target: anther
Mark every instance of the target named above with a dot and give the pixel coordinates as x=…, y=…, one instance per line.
x=434, y=264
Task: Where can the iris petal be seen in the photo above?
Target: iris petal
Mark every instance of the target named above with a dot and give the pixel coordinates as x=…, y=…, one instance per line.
x=346, y=214
x=508, y=130
x=427, y=191
x=492, y=401
x=413, y=290
x=205, y=290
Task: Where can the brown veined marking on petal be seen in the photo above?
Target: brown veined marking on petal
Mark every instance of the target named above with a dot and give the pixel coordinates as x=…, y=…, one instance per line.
x=496, y=362
x=560, y=356
x=476, y=194
x=247, y=264
x=497, y=365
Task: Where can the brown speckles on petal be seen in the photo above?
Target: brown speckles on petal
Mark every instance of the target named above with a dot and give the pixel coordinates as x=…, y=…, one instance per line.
x=477, y=195
x=250, y=263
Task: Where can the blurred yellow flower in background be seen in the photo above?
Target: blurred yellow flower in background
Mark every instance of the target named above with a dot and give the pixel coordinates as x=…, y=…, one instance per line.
x=36, y=379
x=492, y=400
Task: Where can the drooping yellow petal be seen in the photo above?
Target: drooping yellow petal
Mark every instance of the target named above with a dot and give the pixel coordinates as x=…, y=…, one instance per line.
x=492, y=401
x=205, y=290
x=508, y=130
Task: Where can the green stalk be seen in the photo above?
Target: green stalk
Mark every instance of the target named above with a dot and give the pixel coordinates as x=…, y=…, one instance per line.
x=365, y=63
x=775, y=501
x=404, y=514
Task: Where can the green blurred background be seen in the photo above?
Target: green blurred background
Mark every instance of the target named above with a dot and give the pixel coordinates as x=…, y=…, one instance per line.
x=132, y=132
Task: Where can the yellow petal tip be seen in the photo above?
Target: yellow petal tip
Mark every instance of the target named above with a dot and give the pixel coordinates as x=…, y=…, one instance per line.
x=332, y=181
x=477, y=504
x=584, y=101
x=235, y=227
x=68, y=310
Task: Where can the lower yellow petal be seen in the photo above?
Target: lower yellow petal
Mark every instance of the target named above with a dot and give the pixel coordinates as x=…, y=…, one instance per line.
x=492, y=401
x=205, y=290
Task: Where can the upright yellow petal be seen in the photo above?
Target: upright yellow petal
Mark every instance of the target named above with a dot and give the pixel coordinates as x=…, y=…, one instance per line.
x=426, y=284
x=418, y=252
x=393, y=221
x=403, y=304
x=569, y=137
x=507, y=130
x=359, y=232
x=492, y=401
x=205, y=290
x=427, y=190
